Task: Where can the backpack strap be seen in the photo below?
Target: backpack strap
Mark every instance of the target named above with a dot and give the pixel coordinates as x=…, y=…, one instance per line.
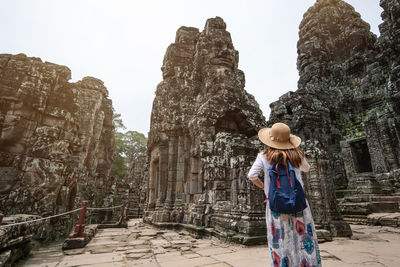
x=277, y=179
x=288, y=175
x=289, y=169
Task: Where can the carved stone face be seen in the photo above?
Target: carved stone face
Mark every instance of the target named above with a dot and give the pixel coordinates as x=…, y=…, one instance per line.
x=187, y=35
x=180, y=53
x=16, y=130
x=223, y=54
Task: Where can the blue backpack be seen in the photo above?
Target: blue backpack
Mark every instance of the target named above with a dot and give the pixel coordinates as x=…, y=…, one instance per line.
x=285, y=195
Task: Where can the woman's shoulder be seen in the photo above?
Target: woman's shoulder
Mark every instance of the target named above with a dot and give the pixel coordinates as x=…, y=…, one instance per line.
x=262, y=156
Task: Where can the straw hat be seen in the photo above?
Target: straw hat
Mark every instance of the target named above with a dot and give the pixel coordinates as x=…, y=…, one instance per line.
x=278, y=136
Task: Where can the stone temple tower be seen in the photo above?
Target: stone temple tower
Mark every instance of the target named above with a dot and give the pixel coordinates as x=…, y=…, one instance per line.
x=203, y=140
x=347, y=108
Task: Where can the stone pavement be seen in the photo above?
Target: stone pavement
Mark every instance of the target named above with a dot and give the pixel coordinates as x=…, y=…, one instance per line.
x=144, y=246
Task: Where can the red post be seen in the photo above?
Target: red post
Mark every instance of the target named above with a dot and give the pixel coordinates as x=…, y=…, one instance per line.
x=80, y=227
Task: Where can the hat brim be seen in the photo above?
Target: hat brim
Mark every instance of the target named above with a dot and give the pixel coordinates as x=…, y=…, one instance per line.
x=293, y=142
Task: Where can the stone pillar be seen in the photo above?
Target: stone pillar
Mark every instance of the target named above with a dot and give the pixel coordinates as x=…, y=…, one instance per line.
x=321, y=195
x=172, y=168
x=313, y=189
x=387, y=143
x=162, y=175
x=348, y=163
x=374, y=145
x=180, y=170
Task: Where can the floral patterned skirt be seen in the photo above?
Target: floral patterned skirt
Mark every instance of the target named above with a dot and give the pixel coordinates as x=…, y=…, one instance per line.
x=292, y=239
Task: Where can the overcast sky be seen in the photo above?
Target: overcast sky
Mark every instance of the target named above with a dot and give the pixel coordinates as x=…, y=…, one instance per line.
x=123, y=42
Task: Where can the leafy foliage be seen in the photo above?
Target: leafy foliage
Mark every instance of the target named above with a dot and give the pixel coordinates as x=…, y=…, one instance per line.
x=128, y=147
x=117, y=121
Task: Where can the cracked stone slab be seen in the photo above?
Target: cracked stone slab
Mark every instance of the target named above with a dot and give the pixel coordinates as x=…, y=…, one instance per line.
x=37, y=264
x=90, y=259
x=142, y=263
x=214, y=251
x=372, y=246
x=148, y=233
x=135, y=256
x=138, y=250
x=220, y=264
x=191, y=255
x=137, y=242
x=188, y=262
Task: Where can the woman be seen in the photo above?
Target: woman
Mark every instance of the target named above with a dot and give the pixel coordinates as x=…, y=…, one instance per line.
x=292, y=239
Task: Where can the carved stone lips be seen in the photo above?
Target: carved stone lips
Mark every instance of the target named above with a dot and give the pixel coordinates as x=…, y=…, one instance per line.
x=222, y=62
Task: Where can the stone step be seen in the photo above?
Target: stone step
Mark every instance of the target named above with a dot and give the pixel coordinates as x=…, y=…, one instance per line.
x=356, y=219
x=384, y=219
x=371, y=198
x=319, y=226
x=323, y=235
x=365, y=208
x=343, y=193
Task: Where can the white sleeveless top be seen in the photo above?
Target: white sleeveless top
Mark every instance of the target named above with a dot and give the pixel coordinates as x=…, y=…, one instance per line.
x=261, y=163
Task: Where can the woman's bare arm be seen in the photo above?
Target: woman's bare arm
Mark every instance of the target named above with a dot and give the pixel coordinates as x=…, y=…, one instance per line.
x=258, y=183
x=255, y=170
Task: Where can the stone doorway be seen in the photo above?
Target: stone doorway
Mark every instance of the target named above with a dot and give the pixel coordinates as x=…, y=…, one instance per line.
x=361, y=156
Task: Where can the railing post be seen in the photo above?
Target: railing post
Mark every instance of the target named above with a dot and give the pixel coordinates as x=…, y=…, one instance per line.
x=122, y=218
x=80, y=227
x=1, y=218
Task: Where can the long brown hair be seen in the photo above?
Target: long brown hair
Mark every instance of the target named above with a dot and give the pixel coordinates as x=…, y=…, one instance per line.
x=294, y=155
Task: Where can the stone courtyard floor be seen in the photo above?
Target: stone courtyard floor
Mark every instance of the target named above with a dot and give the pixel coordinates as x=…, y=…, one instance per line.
x=141, y=245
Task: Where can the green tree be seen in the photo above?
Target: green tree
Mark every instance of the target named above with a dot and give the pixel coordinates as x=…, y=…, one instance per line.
x=128, y=147
x=117, y=121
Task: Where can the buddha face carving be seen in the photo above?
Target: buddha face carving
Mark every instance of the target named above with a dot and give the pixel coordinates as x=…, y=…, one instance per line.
x=216, y=44
x=223, y=54
x=180, y=53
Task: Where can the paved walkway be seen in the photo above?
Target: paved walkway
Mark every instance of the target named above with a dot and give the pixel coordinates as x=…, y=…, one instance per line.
x=144, y=246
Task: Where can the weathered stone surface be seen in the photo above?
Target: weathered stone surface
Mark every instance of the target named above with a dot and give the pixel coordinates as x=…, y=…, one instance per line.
x=56, y=138
x=370, y=245
x=15, y=240
x=347, y=109
x=80, y=242
x=136, y=179
x=202, y=137
x=384, y=219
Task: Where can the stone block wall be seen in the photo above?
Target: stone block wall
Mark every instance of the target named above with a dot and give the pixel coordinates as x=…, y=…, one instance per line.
x=346, y=104
x=56, y=138
x=201, y=141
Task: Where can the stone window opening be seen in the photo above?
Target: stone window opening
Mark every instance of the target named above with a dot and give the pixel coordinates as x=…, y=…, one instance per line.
x=234, y=122
x=361, y=156
x=289, y=110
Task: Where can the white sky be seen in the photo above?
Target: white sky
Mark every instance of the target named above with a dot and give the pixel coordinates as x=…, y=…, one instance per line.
x=123, y=42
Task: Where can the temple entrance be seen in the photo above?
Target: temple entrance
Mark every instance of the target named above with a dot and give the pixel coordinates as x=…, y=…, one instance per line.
x=154, y=182
x=361, y=157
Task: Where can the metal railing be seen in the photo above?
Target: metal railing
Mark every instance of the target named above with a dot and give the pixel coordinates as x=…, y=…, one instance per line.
x=80, y=226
